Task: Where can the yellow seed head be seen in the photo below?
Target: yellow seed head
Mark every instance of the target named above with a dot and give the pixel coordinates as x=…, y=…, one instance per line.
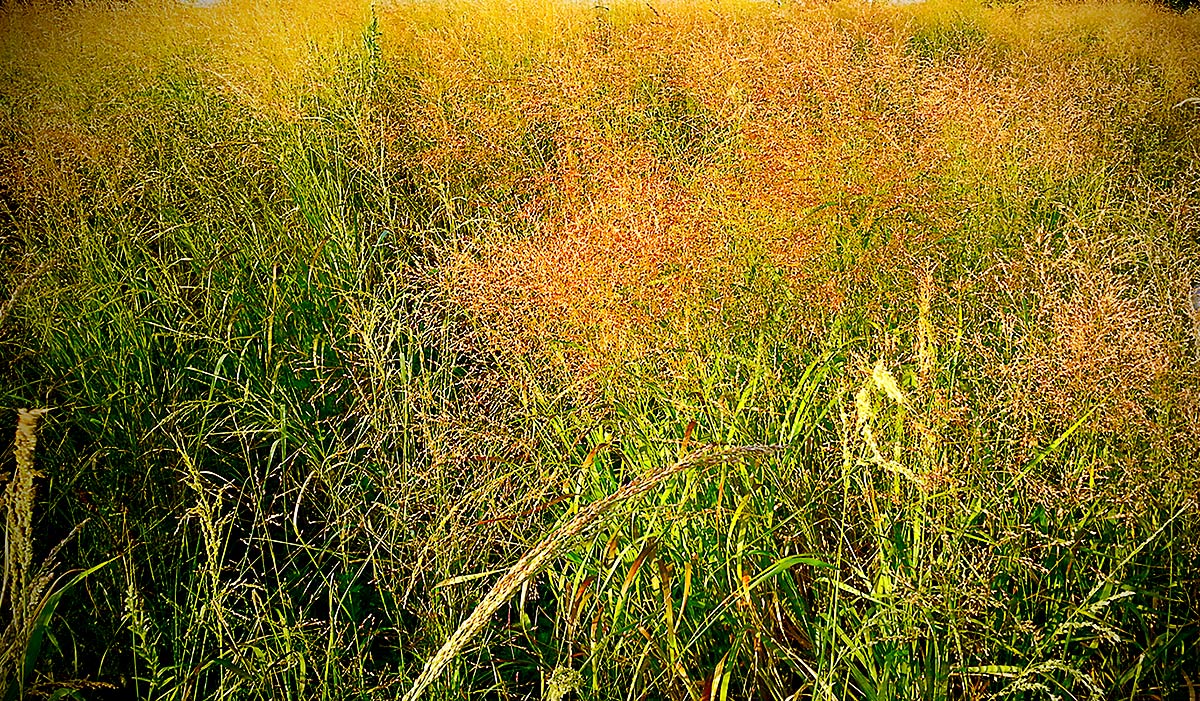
x=863, y=407
x=19, y=502
x=887, y=384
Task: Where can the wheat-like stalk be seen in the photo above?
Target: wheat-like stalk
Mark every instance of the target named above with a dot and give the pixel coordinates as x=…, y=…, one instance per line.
x=18, y=502
x=533, y=560
x=22, y=594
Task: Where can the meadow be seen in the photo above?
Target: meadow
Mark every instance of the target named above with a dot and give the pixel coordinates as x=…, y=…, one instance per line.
x=624, y=350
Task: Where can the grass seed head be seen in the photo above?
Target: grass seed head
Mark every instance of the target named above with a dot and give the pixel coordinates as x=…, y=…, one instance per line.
x=19, y=499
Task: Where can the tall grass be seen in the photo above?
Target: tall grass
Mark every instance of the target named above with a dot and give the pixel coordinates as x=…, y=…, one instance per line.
x=374, y=332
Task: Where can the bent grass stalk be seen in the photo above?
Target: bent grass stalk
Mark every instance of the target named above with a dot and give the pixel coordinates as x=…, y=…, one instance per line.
x=537, y=557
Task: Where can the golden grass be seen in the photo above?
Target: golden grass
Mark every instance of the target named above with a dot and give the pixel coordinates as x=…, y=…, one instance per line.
x=822, y=104
x=825, y=104
x=1109, y=348
x=847, y=108
x=264, y=53
x=632, y=181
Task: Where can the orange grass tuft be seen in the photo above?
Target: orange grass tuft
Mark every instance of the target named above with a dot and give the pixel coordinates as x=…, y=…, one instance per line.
x=651, y=156
x=1108, y=349
x=866, y=110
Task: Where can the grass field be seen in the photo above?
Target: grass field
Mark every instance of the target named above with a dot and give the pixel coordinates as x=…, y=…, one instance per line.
x=668, y=350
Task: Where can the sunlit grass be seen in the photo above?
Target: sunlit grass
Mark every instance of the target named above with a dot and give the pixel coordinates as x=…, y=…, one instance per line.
x=343, y=309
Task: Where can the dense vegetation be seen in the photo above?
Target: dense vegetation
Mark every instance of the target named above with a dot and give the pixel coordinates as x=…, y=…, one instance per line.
x=884, y=313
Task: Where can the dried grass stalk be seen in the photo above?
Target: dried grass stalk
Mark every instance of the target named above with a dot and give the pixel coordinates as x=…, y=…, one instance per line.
x=537, y=557
x=17, y=589
x=18, y=502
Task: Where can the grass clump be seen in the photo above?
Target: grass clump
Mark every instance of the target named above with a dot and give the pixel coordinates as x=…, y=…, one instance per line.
x=462, y=350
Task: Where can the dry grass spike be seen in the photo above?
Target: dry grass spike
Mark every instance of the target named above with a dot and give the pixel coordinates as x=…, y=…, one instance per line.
x=537, y=557
x=18, y=502
x=18, y=542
